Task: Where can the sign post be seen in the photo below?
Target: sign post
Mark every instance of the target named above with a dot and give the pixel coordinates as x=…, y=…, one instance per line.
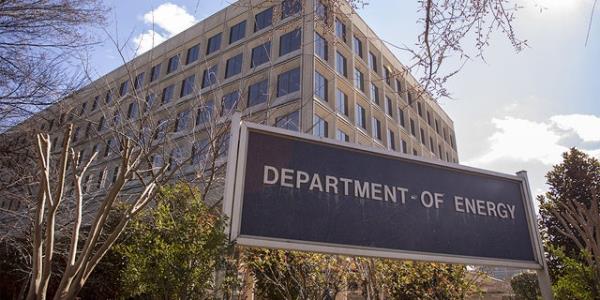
x=300, y=192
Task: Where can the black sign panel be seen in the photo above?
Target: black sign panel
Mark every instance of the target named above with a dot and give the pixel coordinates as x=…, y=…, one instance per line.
x=302, y=190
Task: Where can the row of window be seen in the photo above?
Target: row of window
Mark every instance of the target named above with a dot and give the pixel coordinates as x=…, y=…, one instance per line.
x=260, y=55
x=321, y=129
x=341, y=104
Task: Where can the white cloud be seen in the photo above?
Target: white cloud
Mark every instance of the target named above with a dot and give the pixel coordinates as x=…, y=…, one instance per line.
x=587, y=127
x=168, y=18
x=523, y=140
x=148, y=40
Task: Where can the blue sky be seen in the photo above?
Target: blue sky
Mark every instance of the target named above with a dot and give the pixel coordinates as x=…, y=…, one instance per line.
x=513, y=111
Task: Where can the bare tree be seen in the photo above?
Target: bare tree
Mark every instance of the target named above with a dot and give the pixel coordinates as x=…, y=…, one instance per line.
x=37, y=41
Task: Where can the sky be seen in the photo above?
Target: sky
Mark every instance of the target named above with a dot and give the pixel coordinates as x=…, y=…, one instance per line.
x=512, y=111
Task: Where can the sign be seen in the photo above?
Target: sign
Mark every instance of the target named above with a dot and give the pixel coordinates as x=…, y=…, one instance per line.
x=296, y=191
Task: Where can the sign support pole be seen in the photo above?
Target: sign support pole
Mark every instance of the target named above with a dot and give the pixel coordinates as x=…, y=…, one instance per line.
x=542, y=274
x=232, y=157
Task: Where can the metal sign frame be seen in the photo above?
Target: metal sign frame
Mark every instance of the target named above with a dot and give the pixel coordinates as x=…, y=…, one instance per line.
x=233, y=202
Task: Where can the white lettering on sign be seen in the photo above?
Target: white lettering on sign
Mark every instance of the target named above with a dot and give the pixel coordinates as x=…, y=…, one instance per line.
x=290, y=178
x=483, y=208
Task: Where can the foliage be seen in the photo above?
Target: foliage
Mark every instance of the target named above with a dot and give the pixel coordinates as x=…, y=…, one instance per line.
x=416, y=280
x=174, y=250
x=577, y=178
x=577, y=281
x=570, y=222
x=525, y=285
x=280, y=274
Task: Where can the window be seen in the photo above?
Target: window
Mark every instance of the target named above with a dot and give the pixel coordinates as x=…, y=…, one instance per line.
x=115, y=174
x=320, y=127
x=341, y=64
x=161, y=129
x=290, y=8
x=440, y=152
x=182, y=120
x=187, y=85
x=374, y=90
x=290, y=121
x=94, y=105
x=83, y=108
x=358, y=46
x=167, y=94
x=401, y=117
x=359, y=81
x=431, y=145
x=429, y=119
x=199, y=151
x=139, y=81
x=149, y=102
x=410, y=98
x=263, y=19
x=420, y=109
x=361, y=116
x=124, y=88
x=415, y=153
x=452, y=141
x=214, y=44
x=288, y=82
x=192, y=54
x=320, y=87
x=423, y=136
x=209, y=76
x=341, y=102
x=108, y=147
x=154, y=73
x=373, y=62
x=389, y=107
x=173, y=64
x=404, y=147
x=258, y=93
x=340, y=29
x=437, y=126
x=101, y=124
x=391, y=140
x=205, y=112
x=342, y=136
x=132, y=111
x=413, y=130
x=116, y=118
x=376, y=128
x=230, y=102
x=88, y=129
x=100, y=180
x=398, y=86
x=157, y=161
x=289, y=42
x=234, y=65
x=237, y=32
x=321, y=11
x=388, y=76
x=321, y=47
x=260, y=55
x=76, y=134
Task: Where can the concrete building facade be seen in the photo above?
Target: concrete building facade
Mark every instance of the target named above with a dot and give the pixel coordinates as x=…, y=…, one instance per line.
x=307, y=65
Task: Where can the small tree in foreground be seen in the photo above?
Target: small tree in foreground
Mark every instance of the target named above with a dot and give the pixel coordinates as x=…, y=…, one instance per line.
x=525, y=285
x=85, y=247
x=570, y=219
x=175, y=250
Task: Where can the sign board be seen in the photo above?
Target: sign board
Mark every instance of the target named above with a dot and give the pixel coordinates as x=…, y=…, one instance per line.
x=296, y=191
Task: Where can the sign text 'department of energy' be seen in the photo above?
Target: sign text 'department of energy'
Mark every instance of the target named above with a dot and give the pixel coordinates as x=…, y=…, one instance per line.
x=298, y=192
